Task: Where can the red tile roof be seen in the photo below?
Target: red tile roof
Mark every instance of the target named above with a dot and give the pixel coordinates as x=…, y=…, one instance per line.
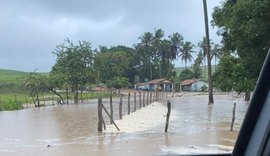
x=188, y=82
x=155, y=81
x=164, y=80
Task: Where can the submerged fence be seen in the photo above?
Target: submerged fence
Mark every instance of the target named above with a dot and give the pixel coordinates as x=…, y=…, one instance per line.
x=127, y=105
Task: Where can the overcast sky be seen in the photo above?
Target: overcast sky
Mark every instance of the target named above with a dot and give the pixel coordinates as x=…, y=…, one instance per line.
x=31, y=29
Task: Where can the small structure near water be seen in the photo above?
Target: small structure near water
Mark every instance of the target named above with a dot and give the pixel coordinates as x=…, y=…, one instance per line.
x=163, y=84
x=194, y=85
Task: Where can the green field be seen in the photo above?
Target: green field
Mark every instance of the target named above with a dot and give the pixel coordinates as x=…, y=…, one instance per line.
x=10, y=76
x=13, y=76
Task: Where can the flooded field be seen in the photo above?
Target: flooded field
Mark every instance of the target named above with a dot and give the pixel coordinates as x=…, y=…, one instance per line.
x=71, y=129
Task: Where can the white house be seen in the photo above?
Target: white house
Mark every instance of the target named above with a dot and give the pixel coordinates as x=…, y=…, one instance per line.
x=194, y=85
x=160, y=84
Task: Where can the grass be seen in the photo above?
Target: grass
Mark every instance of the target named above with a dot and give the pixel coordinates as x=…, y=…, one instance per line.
x=13, y=76
x=16, y=101
x=12, y=101
x=10, y=76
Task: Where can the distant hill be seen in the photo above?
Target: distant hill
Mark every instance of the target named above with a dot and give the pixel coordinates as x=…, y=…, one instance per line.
x=12, y=76
x=204, y=71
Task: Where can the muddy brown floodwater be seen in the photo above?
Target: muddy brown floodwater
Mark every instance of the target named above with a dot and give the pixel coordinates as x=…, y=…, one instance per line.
x=72, y=130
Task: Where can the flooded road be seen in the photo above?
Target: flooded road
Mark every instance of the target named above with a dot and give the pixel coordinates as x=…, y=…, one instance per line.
x=71, y=129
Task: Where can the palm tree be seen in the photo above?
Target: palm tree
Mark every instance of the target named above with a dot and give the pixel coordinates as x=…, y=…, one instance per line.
x=147, y=51
x=157, y=44
x=185, y=52
x=202, y=46
x=200, y=58
x=146, y=38
x=176, y=42
x=215, y=53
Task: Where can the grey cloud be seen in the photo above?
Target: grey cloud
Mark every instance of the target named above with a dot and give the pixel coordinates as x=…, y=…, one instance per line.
x=30, y=29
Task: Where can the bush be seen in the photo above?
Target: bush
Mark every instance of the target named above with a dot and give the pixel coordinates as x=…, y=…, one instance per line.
x=8, y=102
x=204, y=88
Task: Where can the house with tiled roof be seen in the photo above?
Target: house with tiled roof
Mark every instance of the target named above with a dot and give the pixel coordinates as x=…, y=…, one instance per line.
x=194, y=85
x=163, y=84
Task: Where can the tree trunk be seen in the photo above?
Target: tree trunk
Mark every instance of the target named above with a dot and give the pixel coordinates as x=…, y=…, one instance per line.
x=210, y=89
x=38, y=101
x=59, y=95
x=247, y=96
x=33, y=99
x=67, y=96
x=76, y=94
x=82, y=95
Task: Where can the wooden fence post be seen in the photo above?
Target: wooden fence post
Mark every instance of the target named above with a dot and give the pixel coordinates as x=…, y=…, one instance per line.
x=150, y=97
x=147, y=98
x=103, y=121
x=128, y=103
x=168, y=116
x=120, y=108
x=233, y=116
x=140, y=99
x=143, y=99
x=67, y=96
x=135, y=103
x=82, y=96
x=1, y=104
x=86, y=94
x=156, y=95
x=110, y=118
x=111, y=109
x=100, y=117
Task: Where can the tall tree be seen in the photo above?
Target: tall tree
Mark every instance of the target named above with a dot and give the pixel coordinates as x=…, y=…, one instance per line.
x=210, y=88
x=167, y=58
x=34, y=83
x=157, y=44
x=199, y=59
x=202, y=45
x=185, y=52
x=119, y=61
x=75, y=63
x=215, y=53
x=244, y=27
x=146, y=51
x=176, y=43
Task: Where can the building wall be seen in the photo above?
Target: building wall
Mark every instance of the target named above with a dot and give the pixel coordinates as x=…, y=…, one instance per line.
x=197, y=86
x=168, y=87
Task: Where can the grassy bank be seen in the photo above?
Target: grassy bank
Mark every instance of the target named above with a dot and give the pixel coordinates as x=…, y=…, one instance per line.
x=11, y=101
x=16, y=101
